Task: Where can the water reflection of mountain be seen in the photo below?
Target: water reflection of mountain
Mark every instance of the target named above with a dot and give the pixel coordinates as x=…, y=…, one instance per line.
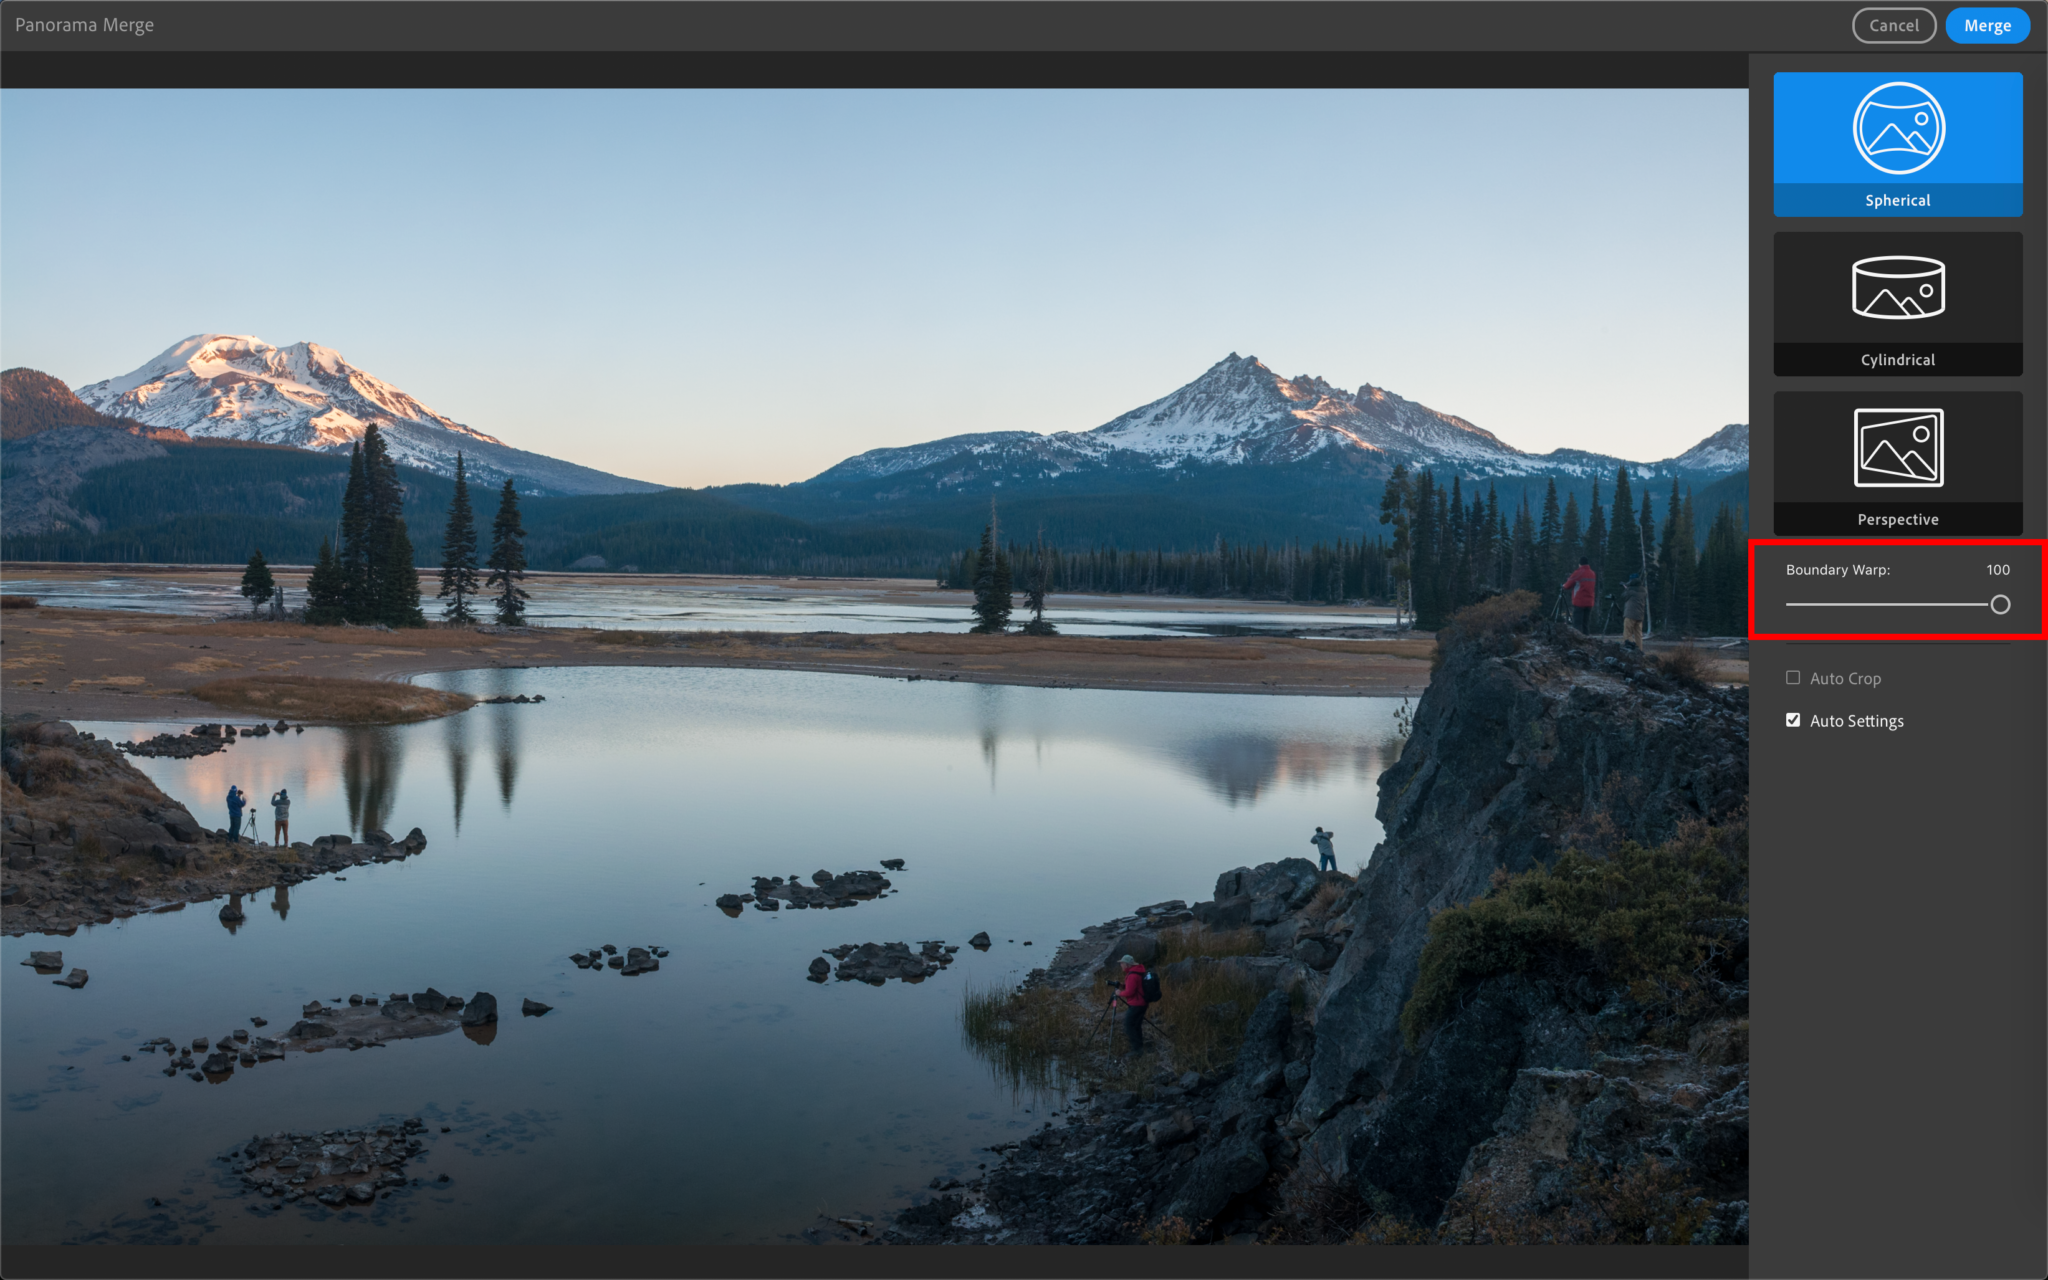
x=1240, y=767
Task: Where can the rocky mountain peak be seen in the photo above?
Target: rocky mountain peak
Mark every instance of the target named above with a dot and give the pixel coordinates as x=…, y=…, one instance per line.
x=308, y=396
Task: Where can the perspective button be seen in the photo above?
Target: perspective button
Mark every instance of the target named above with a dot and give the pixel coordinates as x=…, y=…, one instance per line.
x=1896, y=26
x=1988, y=26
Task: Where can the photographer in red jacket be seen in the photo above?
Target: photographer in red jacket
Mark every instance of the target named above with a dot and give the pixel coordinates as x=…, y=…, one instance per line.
x=1581, y=586
x=1133, y=997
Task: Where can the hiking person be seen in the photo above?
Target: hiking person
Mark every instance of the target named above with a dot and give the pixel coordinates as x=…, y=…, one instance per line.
x=1326, y=854
x=1635, y=604
x=235, y=802
x=281, y=812
x=1133, y=998
x=1581, y=585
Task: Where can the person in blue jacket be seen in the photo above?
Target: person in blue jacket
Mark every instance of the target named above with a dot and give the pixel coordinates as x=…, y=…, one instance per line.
x=235, y=802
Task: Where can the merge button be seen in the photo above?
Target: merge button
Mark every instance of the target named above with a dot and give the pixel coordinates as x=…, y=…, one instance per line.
x=1896, y=26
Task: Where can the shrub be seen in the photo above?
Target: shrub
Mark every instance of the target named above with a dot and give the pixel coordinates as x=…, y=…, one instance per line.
x=18, y=602
x=1494, y=616
x=1168, y=1231
x=1627, y=917
x=1647, y=1202
x=1687, y=665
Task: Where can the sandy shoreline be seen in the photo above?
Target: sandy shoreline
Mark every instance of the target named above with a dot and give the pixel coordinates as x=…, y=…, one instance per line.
x=22, y=576
x=95, y=664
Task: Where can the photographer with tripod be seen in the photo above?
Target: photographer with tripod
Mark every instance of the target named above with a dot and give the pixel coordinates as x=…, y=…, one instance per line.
x=1581, y=584
x=1133, y=996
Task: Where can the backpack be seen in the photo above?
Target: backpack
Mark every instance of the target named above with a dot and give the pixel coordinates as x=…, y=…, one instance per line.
x=1149, y=987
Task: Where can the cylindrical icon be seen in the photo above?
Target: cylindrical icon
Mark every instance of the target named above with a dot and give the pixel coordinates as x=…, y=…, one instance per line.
x=1899, y=288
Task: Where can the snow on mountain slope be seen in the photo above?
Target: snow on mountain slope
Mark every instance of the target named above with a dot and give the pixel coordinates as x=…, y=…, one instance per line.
x=1725, y=450
x=237, y=387
x=1240, y=412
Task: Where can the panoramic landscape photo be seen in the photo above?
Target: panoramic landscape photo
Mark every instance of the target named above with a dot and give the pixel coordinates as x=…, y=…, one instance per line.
x=874, y=668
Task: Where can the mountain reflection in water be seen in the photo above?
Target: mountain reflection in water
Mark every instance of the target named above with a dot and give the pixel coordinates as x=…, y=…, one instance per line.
x=1241, y=767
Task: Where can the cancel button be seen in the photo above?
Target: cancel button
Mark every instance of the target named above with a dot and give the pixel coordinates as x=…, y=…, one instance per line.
x=1895, y=26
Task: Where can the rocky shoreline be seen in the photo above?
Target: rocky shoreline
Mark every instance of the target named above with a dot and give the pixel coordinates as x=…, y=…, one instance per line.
x=1556, y=1099
x=89, y=839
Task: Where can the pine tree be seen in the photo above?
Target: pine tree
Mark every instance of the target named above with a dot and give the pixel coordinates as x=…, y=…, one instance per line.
x=1570, y=538
x=327, y=590
x=508, y=559
x=1522, y=554
x=1624, y=554
x=1426, y=591
x=1723, y=578
x=1676, y=565
x=391, y=589
x=257, y=584
x=458, y=553
x=355, y=540
x=991, y=583
x=1652, y=570
x=1550, y=545
x=1035, y=588
x=1396, y=509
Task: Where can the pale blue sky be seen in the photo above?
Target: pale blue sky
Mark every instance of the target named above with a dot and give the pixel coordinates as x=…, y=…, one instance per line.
x=708, y=287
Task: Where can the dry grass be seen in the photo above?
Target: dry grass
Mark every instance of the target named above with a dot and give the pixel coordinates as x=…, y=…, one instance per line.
x=411, y=638
x=738, y=641
x=1407, y=647
x=18, y=602
x=1687, y=665
x=1169, y=1231
x=1102, y=646
x=1191, y=940
x=1036, y=1040
x=1203, y=1017
x=1325, y=898
x=301, y=698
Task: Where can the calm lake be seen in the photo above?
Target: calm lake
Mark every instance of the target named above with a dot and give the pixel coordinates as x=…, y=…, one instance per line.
x=748, y=605
x=721, y=1100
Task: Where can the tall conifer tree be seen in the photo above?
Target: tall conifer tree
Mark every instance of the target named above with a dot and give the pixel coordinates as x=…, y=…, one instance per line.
x=991, y=582
x=327, y=590
x=1550, y=544
x=1624, y=552
x=257, y=584
x=508, y=559
x=1397, y=510
x=355, y=540
x=458, y=553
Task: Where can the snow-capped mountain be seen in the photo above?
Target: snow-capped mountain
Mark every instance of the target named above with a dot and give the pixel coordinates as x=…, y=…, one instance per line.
x=1241, y=413
x=233, y=386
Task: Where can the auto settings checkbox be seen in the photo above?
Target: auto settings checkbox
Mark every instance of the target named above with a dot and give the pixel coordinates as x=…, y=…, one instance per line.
x=1791, y=677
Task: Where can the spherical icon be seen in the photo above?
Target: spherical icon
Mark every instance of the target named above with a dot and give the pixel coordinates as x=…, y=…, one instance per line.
x=1921, y=434
x=1899, y=128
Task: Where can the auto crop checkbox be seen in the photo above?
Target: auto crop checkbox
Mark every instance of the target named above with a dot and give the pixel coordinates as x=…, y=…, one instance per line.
x=1791, y=719
x=1791, y=677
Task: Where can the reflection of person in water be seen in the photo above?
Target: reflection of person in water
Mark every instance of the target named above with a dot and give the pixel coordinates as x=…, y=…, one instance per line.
x=281, y=902
x=1326, y=853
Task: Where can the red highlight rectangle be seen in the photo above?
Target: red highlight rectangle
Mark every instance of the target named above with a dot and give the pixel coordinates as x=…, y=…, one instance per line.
x=2037, y=634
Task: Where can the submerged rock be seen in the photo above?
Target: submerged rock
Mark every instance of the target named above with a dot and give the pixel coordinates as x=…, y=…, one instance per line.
x=533, y=1008
x=75, y=979
x=639, y=960
x=877, y=962
x=826, y=890
x=45, y=959
x=482, y=1008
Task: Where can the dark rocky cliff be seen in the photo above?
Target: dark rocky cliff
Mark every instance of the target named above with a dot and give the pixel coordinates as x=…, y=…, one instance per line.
x=1530, y=739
